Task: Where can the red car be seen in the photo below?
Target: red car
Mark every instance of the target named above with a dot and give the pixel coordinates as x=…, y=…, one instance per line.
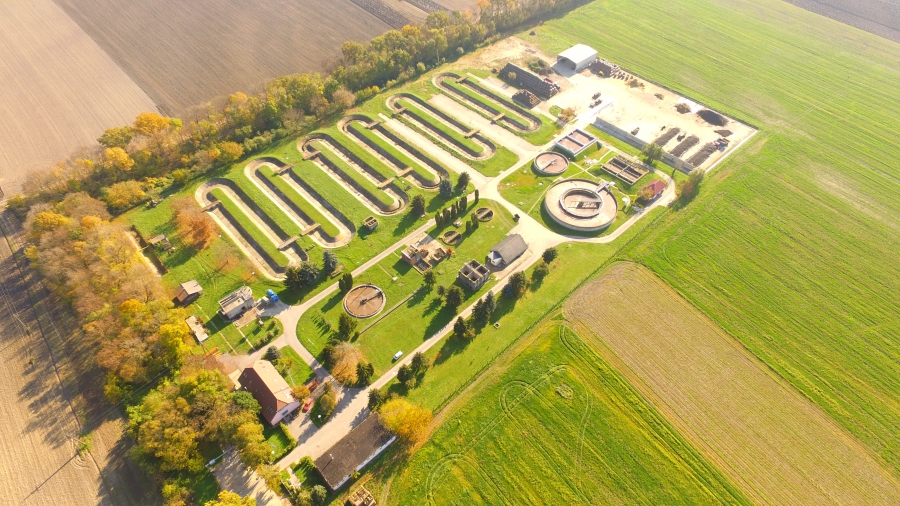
x=307, y=404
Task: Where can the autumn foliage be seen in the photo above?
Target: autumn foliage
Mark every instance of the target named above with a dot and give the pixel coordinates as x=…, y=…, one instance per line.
x=91, y=263
x=409, y=421
x=196, y=228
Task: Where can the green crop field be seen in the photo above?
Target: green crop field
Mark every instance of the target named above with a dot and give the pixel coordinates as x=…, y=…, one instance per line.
x=294, y=197
x=362, y=131
x=791, y=245
x=417, y=318
x=555, y=424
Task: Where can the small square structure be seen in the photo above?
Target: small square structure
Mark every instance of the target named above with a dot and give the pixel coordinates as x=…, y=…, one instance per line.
x=269, y=389
x=197, y=328
x=365, y=442
x=473, y=275
x=424, y=253
x=236, y=303
x=507, y=250
x=188, y=292
x=370, y=223
x=577, y=57
x=575, y=143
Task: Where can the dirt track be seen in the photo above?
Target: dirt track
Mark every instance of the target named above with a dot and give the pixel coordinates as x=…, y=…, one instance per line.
x=773, y=443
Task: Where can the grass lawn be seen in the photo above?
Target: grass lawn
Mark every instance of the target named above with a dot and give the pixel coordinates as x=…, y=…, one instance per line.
x=473, y=96
x=204, y=487
x=259, y=334
x=555, y=424
x=298, y=372
x=293, y=196
x=277, y=439
x=256, y=235
x=439, y=126
x=419, y=317
x=788, y=247
x=362, y=131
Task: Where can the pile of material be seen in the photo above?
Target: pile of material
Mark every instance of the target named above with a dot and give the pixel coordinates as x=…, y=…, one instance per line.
x=604, y=67
x=526, y=98
x=713, y=118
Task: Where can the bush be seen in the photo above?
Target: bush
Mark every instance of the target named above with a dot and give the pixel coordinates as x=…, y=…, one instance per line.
x=246, y=401
x=272, y=354
x=550, y=255
x=540, y=271
x=327, y=401
x=329, y=261
x=346, y=325
x=318, y=495
x=297, y=278
x=417, y=206
x=516, y=286
x=463, y=181
x=446, y=188
x=376, y=398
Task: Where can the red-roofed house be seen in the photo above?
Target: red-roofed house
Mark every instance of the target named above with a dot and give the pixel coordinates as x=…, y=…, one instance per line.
x=269, y=389
x=657, y=187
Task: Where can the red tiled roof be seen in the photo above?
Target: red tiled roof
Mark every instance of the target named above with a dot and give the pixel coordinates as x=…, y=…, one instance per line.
x=268, y=387
x=657, y=187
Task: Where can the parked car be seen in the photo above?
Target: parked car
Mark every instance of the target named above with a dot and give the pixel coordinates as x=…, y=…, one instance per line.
x=307, y=404
x=273, y=297
x=397, y=356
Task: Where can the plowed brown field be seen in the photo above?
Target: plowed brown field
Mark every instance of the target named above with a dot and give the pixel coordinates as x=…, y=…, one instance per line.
x=58, y=89
x=774, y=443
x=184, y=53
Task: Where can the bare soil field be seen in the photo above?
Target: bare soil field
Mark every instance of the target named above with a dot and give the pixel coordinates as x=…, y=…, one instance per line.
x=881, y=17
x=185, y=53
x=774, y=443
x=58, y=89
x=52, y=397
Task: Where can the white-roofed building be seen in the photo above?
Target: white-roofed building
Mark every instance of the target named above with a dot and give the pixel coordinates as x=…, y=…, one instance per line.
x=577, y=57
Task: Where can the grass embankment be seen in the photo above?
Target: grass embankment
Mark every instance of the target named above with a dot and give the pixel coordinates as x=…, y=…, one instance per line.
x=419, y=317
x=788, y=246
x=557, y=425
x=438, y=126
x=256, y=235
x=362, y=131
x=474, y=96
x=374, y=192
x=298, y=200
x=547, y=128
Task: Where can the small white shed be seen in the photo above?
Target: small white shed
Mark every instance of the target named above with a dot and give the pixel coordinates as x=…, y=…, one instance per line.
x=577, y=57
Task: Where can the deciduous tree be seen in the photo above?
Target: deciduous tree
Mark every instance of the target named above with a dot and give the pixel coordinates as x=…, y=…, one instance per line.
x=409, y=421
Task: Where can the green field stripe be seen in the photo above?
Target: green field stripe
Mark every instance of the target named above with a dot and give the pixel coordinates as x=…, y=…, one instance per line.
x=294, y=196
x=440, y=126
x=363, y=153
x=354, y=174
x=265, y=203
x=334, y=192
x=256, y=235
x=372, y=136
